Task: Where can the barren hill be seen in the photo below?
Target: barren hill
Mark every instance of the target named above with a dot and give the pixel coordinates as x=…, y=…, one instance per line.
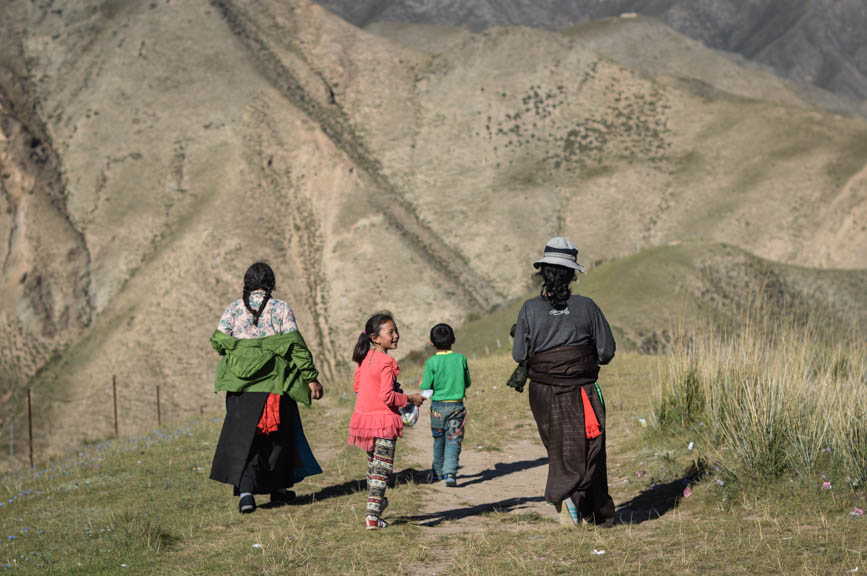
x=806, y=41
x=151, y=151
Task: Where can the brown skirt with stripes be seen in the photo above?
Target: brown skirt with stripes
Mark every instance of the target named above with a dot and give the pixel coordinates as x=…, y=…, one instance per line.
x=576, y=465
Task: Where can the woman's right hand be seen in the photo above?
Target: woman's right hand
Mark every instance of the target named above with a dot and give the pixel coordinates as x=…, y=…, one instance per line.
x=416, y=399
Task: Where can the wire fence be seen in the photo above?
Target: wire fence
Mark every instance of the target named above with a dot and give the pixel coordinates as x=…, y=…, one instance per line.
x=19, y=432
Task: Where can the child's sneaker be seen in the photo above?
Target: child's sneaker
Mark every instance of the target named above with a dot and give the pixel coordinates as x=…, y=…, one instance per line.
x=451, y=481
x=374, y=523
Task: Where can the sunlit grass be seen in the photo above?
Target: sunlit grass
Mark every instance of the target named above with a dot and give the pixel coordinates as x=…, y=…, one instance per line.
x=147, y=503
x=774, y=393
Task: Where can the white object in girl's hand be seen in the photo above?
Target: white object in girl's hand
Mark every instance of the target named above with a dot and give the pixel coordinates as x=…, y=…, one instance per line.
x=409, y=413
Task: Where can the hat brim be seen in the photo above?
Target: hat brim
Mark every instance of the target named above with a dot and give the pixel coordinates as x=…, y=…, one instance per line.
x=564, y=262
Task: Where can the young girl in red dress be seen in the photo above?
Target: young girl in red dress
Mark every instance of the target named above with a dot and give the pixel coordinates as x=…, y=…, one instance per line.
x=376, y=421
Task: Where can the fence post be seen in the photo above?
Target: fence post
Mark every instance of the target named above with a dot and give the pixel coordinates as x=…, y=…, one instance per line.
x=12, y=440
x=29, y=428
x=159, y=417
x=114, y=395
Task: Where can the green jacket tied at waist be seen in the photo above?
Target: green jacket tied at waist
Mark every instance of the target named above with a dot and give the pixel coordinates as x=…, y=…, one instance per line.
x=278, y=364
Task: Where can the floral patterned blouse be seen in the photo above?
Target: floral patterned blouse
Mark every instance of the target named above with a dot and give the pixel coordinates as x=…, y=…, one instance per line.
x=277, y=318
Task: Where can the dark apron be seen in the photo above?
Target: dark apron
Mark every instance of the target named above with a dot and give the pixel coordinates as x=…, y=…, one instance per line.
x=576, y=466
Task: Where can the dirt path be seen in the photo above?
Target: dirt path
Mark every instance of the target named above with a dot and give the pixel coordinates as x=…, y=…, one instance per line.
x=512, y=481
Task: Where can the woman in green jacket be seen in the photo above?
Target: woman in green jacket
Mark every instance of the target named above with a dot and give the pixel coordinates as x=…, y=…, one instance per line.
x=265, y=369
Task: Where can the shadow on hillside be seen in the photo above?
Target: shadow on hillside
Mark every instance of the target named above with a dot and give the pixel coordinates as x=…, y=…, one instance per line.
x=502, y=469
x=436, y=518
x=659, y=498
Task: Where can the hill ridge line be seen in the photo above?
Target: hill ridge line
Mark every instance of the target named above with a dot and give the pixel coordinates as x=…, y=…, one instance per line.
x=474, y=288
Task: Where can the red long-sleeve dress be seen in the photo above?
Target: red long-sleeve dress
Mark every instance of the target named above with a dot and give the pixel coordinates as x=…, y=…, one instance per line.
x=377, y=401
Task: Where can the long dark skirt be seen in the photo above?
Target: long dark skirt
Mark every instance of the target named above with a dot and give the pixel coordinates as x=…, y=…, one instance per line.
x=576, y=466
x=261, y=464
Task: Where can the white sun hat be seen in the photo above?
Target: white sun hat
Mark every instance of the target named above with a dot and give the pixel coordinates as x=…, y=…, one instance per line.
x=560, y=251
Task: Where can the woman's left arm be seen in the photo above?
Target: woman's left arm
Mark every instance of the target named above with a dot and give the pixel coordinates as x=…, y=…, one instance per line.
x=300, y=354
x=605, y=345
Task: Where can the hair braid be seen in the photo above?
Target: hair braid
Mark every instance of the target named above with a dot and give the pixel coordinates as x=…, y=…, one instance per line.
x=258, y=313
x=555, y=285
x=259, y=276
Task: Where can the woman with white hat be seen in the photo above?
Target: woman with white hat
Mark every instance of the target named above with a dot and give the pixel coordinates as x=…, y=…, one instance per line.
x=563, y=338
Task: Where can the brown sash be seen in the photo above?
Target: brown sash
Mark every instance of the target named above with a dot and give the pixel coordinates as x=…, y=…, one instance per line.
x=565, y=367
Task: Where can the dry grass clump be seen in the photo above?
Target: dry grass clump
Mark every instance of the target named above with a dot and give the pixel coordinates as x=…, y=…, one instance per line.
x=773, y=392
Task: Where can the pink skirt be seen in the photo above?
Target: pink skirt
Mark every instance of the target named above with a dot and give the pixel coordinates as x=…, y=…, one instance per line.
x=364, y=428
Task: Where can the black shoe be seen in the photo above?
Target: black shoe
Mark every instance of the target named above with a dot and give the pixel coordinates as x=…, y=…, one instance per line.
x=247, y=504
x=282, y=497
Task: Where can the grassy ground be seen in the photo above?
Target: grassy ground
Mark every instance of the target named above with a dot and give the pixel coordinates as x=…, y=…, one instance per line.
x=145, y=506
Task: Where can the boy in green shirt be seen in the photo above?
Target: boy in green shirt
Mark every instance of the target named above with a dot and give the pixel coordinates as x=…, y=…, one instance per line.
x=445, y=381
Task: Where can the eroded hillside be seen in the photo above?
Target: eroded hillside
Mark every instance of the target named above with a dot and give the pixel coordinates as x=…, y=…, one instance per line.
x=183, y=141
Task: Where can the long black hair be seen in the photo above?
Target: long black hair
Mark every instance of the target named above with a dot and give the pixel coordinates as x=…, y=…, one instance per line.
x=371, y=329
x=259, y=276
x=555, y=284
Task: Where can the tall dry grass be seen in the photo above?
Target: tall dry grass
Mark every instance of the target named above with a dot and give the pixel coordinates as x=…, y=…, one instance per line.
x=772, y=390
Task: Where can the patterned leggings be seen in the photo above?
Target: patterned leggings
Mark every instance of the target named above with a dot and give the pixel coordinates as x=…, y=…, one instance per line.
x=380, y=464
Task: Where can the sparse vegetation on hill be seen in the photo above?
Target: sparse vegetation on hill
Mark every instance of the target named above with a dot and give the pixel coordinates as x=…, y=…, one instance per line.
x=649, y=296
x=166, y=156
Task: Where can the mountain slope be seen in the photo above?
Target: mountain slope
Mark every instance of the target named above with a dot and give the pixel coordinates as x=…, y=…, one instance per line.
x=650, y=295
x=805, y=41
x=185, y=141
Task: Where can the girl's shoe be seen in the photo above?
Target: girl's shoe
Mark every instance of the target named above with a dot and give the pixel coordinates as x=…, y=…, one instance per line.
x=374, y=523
x=451, y=481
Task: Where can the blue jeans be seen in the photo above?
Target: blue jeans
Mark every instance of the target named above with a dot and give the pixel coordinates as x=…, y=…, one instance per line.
x=447, y=426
